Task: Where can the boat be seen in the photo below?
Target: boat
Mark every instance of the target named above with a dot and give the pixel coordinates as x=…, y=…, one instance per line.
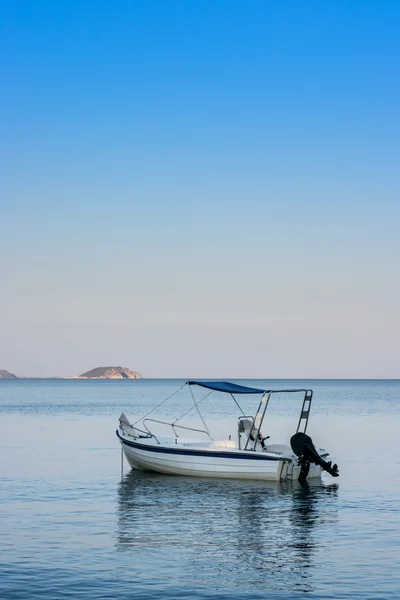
x=250, y=456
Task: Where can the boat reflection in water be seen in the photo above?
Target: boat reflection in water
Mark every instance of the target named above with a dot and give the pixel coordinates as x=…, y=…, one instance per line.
x=254, y=535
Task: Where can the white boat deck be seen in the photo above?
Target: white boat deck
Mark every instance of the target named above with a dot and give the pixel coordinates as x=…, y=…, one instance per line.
x=278, y=450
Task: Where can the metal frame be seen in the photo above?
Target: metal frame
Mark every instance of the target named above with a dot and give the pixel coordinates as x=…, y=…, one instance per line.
x=305, y=410
x=257, y=420
x=261, y=410
x=145, y=433
x=173, y=425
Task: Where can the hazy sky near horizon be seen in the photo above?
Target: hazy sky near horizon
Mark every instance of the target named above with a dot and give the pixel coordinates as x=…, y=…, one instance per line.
x=205, y=189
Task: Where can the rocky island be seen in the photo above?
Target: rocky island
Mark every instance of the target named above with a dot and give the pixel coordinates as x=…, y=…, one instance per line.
x=110, y=373
x=7, y=375
x=98, y=373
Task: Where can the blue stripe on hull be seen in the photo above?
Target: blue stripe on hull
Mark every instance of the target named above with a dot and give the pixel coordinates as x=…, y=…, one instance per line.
x=213, y=453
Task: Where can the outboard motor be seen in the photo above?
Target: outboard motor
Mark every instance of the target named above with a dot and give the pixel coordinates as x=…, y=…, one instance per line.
x=302, y=445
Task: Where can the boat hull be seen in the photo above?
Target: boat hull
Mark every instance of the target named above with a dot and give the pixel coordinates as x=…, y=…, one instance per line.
x=204, y=462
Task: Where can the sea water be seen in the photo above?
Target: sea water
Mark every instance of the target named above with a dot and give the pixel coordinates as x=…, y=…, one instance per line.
x=74, y=525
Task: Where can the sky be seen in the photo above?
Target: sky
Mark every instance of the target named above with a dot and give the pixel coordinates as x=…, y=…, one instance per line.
x=200, y=189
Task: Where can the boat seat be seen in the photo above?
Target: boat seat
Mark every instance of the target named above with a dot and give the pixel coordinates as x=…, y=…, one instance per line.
x=247, y=431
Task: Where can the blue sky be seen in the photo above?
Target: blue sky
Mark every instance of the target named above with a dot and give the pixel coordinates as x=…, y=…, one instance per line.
x=200, y=188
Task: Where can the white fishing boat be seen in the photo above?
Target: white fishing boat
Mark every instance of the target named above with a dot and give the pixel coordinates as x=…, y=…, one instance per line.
x=250, y=456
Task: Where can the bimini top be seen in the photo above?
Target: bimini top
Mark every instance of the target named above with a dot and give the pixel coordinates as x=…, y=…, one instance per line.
x=225, y=386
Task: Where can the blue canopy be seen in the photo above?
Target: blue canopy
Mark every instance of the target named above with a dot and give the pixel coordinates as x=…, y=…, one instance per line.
x=225, y=386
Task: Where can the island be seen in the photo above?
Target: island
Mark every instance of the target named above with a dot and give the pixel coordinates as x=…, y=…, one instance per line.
x=97, y=373
x=110, y=373
x=7, y=375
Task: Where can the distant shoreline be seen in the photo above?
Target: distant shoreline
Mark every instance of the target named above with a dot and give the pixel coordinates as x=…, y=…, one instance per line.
x=71, y=378
x=96, y=373
x=78, y=378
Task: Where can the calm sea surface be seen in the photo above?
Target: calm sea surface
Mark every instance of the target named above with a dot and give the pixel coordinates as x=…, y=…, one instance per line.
x=73, y=526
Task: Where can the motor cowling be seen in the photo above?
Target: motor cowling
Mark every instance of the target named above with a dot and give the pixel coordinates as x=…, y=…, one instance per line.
x=303, y=447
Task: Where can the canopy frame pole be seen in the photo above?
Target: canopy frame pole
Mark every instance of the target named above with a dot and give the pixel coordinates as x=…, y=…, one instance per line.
x=191, y=408
x=158, y=405
x=258, y=420
x=237, y=404
x=200, y=415
x=305, y=411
